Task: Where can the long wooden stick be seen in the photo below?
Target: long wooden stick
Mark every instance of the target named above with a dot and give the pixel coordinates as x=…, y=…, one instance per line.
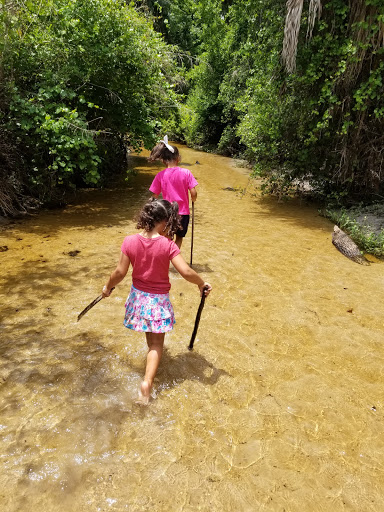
x=197, y=321
x=193, y=229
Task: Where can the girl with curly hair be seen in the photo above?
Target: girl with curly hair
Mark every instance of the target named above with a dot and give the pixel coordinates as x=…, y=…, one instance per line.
x=148, y=308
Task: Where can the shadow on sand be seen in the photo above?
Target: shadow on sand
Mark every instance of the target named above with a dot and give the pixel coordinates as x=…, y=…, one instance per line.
x=192, y=366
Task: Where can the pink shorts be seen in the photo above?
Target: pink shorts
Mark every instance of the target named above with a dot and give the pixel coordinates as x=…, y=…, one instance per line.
x=148, y=312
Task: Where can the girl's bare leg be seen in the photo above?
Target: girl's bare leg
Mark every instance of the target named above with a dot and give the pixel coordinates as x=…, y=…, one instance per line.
x=155, y=342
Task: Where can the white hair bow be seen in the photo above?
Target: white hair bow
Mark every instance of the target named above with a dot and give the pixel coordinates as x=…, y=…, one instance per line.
x=165, y=140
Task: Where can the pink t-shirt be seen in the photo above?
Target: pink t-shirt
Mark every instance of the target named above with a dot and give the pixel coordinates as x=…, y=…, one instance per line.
x=173, y=183
x=150, y=259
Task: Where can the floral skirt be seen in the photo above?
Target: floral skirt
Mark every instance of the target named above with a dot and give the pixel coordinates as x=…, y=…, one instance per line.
x=148, y=312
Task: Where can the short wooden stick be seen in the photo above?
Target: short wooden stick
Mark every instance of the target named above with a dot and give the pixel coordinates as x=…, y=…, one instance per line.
x=197, y=321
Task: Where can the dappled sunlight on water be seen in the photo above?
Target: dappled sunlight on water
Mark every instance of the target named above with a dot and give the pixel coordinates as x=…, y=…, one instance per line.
x=280, y=405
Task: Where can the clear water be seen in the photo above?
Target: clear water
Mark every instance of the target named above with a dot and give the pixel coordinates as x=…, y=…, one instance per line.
x=279, y=407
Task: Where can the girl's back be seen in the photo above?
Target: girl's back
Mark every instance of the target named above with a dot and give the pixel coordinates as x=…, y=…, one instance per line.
x=174, y=183
x=150, y=259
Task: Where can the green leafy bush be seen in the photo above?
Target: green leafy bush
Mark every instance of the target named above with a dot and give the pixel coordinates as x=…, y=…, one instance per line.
x=78, y=75
x=322, y=124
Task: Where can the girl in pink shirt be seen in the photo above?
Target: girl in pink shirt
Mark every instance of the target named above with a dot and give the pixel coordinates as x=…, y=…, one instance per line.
x=148, y=308
x=174, y=183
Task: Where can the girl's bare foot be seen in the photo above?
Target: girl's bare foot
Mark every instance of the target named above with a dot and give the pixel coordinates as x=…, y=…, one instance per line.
x=144, y=394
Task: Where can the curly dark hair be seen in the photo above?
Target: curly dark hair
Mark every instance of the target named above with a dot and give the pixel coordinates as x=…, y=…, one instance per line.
x=158, y=210
x=161, y=152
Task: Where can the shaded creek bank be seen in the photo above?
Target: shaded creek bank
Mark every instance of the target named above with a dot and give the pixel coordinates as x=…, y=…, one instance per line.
x=279, y=406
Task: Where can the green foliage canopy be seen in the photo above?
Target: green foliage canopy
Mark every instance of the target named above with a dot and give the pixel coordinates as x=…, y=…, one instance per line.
x=322, y=123
x=80, y=79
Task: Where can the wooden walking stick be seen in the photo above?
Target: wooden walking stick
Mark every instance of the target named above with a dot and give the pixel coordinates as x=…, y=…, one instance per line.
x=197, y=321
x=90, y=306
x=193, y=228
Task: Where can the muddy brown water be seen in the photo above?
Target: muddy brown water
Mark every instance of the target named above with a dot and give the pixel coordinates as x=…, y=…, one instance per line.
x=278, y=408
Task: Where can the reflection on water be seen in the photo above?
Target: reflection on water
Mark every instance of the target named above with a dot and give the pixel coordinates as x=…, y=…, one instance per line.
x=279, y=407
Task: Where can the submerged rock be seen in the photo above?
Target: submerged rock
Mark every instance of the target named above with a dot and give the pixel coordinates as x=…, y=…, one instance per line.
x=72, y=253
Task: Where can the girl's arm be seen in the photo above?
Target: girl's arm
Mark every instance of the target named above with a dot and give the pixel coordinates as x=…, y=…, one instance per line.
x=117, y=275
x=189, y=274
x=193, y=193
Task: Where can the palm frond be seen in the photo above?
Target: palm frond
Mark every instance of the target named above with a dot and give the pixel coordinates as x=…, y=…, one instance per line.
x=291, y=33
x=292, y=29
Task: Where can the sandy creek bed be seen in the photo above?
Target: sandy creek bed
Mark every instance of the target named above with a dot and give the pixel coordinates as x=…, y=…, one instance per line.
x=279, y=407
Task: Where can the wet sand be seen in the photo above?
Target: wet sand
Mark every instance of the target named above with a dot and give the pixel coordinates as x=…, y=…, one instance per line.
x=278, y=408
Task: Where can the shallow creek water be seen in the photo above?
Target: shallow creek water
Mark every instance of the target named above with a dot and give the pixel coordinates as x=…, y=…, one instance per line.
x=278, y=408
